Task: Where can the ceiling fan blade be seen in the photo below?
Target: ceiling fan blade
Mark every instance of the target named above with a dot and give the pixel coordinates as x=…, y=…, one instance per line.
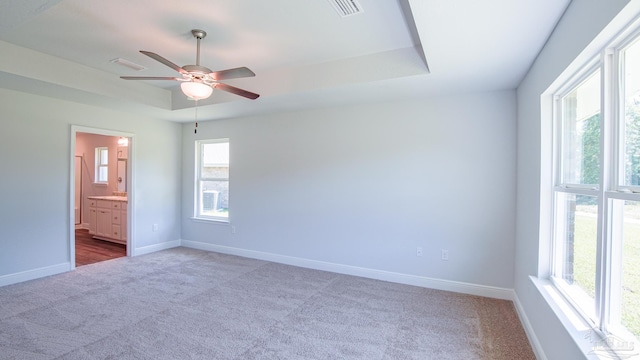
x=235, y=73
x=150, y=78
x=160, y=59
x=237, y=91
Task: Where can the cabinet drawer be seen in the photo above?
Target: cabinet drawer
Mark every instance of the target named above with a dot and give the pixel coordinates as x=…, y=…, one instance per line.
x=92, y=202
x=115, y=217
x=115, y=232
x=116, y=205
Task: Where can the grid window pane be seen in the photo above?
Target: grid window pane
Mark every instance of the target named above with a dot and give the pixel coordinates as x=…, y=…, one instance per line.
x=631, y=98
x=576, y=245
x=214, y=197
x=215, y=154
x=581, y=133
x=104, y=156
x=103, y=173
x=630, y=277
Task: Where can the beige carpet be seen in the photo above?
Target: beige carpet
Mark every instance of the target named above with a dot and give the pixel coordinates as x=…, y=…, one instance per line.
x=189, y=304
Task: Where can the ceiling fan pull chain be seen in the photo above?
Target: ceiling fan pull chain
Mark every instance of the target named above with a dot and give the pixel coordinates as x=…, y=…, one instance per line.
x=195, y=131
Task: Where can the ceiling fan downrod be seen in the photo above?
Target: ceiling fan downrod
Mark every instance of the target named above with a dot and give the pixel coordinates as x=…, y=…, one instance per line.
x=199, y=35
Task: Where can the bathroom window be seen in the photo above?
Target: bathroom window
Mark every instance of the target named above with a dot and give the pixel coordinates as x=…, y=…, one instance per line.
x=102, y=165
x=212, y=180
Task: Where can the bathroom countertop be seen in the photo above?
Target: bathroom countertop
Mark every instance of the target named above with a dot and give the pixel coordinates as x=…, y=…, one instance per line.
x=108, y=197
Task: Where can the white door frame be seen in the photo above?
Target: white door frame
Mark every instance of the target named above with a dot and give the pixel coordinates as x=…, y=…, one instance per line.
x=130, y=187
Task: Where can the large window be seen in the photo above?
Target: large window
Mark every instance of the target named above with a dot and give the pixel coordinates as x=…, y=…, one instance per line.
x=102, y=165
x=595, y=248
x=212, y=179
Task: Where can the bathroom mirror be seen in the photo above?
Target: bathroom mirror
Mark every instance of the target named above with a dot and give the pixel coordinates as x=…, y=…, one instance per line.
x=122, y=175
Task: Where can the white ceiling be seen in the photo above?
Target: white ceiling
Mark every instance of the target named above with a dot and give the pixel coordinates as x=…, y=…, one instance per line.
x=303, y=53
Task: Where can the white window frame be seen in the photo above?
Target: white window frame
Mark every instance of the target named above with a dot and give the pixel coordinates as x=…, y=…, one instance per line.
x=607, y=191
x=560, y=187
x=100, y=165
x=199, y=178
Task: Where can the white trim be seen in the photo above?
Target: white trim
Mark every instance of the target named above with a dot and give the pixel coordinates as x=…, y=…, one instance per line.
x=212, y=220
x=528, y=329
x=584, y=336
x=65, y=267
x=34, y=274
x=155, y=247
x=407, y=279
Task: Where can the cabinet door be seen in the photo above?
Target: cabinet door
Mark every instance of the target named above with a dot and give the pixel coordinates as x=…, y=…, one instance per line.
x=103, y=224
x=93, y=219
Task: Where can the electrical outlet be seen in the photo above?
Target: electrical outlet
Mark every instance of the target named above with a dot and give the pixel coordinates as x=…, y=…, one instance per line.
x=233, y=229
x=155, y=227
x=445, y=255
x=418, y=251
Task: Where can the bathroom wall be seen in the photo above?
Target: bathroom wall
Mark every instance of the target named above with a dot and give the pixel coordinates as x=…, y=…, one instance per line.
x=85, y=146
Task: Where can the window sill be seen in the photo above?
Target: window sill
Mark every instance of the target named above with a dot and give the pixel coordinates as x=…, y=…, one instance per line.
x=101, y=184
x=592, y=342
x=211, y=220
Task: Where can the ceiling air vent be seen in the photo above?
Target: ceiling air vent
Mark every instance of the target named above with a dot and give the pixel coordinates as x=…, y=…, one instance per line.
x=347, y=7
x=127, y=63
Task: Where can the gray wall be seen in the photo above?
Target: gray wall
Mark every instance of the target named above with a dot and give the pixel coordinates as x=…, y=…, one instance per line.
x=35, y=146
x=365, y=185
x=583, y=20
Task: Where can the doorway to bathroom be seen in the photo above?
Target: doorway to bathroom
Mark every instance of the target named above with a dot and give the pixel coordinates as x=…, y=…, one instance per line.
x=101, y=193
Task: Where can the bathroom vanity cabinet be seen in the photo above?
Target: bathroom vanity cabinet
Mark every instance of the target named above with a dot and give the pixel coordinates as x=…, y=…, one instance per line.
x=108, y=218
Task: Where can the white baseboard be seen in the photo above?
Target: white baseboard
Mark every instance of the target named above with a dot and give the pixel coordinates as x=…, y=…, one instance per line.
x=528, y=329
x=34, y=274
x=64, y=267
x=426, y=282
x=155, y=247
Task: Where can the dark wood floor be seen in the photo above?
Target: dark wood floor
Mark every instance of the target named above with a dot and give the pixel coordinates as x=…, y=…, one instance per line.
x=90, y=250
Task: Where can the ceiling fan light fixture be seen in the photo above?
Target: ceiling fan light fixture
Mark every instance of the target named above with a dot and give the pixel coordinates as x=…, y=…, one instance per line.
x=196, y=90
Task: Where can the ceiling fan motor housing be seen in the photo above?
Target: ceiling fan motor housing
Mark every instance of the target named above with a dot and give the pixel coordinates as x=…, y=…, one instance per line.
x=197, y=71
x=197, y=33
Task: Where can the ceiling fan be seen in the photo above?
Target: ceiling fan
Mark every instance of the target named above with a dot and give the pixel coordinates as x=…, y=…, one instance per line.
x=198, y=81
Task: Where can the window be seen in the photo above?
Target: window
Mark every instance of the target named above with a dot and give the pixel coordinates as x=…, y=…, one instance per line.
x=212, y=179
x=595, y=252
x=102, y=165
